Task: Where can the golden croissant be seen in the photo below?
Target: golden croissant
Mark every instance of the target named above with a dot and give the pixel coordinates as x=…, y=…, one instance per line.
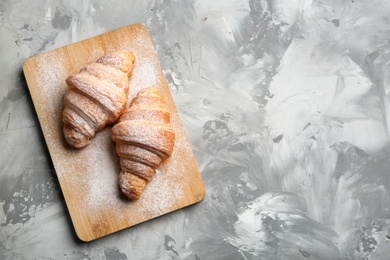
x=96, y=97
x=144, y=137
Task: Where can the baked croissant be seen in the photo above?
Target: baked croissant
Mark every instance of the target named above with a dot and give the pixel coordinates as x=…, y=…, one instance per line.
x=144, y=137
x=97, y=96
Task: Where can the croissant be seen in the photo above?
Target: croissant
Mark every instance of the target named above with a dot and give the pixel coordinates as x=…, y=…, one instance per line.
x=97, y=96
x=143, y=137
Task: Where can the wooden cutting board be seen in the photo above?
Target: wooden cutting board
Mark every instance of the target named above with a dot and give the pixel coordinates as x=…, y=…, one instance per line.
x=88, y=177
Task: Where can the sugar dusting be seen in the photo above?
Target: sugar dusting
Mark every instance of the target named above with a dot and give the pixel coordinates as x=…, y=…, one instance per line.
x=51, y=74
x=164, y=190
x=92, y=172
x=102, y=186
x=143, y=75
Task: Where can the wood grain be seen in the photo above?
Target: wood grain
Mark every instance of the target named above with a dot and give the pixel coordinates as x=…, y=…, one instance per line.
x=88, y=177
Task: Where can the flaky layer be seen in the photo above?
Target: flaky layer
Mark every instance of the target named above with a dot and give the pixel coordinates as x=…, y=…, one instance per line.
x=96, y=97
x=144, y=138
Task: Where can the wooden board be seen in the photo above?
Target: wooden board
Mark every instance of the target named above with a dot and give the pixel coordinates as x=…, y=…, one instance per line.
x=88, y=177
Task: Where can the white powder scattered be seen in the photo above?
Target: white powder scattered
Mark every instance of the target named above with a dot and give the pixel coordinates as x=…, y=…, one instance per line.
x=51, y=77
x=161, y=194
x=102, y=193
x=166, y=187
x=143, y=75
x=102, y=172
x=89, y=177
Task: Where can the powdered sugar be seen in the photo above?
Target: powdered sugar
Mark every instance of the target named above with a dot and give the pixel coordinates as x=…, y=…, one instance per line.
x=51, y=80
x=101, y=183
x=89, y=177
x=144, y=75
x=161, y=193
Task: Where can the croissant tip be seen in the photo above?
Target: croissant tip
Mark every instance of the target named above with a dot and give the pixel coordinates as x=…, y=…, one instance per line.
x=78, y=144
x=69, y=80
x=130, y=195
x=75, y=139
x=131, y=185
x=130, y=192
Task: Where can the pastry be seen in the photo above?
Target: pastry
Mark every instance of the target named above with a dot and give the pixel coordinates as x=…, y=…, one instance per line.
x=97, y=96
x=143, y=137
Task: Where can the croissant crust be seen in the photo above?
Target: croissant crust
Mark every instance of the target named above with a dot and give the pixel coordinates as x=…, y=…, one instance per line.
x=97, y=96
x=144, y=137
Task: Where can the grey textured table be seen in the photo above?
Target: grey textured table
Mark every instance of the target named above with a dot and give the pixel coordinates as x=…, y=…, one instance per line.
x=285, y=104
